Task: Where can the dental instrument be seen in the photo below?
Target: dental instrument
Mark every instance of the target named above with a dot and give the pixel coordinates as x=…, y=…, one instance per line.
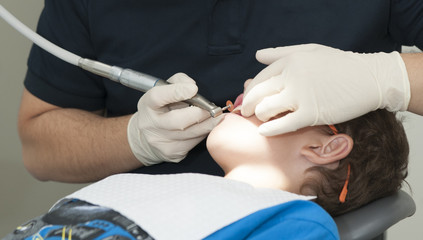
x=127, y=77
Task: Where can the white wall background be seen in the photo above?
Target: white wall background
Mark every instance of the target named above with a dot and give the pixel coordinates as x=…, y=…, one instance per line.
x=22, y=197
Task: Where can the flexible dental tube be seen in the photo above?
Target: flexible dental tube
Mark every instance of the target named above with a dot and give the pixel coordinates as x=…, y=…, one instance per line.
x=37, y=39
x=130, y=78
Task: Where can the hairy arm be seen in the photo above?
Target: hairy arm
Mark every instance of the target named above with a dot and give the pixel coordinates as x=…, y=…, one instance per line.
x=414, y=64
x=72, y=145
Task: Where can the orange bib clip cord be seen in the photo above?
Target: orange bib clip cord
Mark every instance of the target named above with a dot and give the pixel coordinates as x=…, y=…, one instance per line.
x=344, y=191
x=343, y=194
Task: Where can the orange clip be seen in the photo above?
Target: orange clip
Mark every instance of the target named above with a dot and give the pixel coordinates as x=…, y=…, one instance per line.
x=344, y=191
x=333, y=128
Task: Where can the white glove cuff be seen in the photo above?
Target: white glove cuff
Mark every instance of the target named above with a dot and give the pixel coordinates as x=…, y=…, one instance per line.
x=396, y=87
x=136, y=144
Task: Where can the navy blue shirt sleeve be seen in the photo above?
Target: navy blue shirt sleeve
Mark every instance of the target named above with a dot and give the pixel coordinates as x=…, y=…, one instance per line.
x=54, y=80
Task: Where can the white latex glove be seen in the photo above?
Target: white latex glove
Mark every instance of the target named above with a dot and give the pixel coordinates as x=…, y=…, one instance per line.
x=158, y=132
x=322, y=85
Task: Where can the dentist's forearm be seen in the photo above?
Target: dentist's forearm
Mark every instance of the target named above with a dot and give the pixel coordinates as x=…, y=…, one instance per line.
x=71, y=145
x=76, y=146
x=414, y=65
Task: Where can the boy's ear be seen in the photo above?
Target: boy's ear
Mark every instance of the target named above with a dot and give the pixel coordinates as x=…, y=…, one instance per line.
x=328, y=149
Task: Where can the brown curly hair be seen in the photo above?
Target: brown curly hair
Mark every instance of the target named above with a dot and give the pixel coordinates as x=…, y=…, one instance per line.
x=378, y=161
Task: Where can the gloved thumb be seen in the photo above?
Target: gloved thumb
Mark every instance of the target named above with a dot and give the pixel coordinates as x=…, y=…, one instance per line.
x=181, y=88
x=180, y=78
x=269, y=55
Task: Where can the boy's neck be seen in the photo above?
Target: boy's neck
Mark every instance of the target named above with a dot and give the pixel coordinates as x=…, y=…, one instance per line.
x=258, y=176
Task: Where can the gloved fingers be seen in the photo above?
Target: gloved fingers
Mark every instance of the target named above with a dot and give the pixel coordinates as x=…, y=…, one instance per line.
x=256, y=92
x=195, y=130
x=289, y=123
x=188, y=139
x=177, y=105
x=161, y=96
x=180, y=119
x=273, y=105
x=247, y=82
x=273, y=70
x=205, y=126
x=269, y=55
x=180, y=78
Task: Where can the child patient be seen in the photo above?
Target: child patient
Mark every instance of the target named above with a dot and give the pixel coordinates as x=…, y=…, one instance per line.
x=267, y=192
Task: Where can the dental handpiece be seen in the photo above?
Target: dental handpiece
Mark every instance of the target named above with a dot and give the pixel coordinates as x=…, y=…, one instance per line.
x=130, y=78
x=143, y=82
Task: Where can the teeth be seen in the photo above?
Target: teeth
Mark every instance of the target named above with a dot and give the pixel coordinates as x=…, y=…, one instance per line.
x=237, y=110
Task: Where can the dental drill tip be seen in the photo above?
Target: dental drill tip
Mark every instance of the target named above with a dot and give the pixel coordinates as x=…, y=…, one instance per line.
x=225, y=108
x=229, y=106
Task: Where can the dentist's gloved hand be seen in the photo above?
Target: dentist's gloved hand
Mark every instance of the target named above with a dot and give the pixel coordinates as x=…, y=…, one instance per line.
x=159, y=132
x=321, y=85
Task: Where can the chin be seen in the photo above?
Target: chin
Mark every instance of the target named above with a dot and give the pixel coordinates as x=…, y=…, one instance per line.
x=231, y=130
x=235, y=139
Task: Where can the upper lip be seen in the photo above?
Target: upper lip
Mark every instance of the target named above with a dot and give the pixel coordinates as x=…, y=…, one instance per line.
x=238, y=100
x=237, y=104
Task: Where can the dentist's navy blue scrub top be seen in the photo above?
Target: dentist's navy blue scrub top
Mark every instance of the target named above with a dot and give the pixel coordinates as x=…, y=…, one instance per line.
x=212, y=41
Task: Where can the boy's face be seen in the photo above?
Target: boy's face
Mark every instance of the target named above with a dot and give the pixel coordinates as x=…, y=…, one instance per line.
x=274, y=162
